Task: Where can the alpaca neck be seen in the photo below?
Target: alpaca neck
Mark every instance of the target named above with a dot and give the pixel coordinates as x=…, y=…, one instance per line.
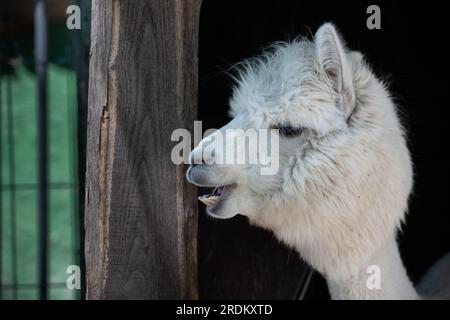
x=394, y=282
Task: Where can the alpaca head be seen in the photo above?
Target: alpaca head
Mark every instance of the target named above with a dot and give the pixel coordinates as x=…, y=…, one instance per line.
x=344, y=172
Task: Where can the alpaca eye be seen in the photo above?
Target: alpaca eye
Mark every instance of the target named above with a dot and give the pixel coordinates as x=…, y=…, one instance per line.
x=289, y=131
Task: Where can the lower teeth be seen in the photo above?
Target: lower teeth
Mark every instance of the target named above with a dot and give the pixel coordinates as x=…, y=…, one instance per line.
x=209, y=200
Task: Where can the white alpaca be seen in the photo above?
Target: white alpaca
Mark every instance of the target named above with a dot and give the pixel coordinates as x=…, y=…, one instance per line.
x=345, y=173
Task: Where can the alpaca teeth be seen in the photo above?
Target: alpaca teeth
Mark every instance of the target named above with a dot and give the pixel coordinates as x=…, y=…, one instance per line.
x=209, y=200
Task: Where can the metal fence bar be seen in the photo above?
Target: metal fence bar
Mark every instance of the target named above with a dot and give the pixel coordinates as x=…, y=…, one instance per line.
x=35, y=186
x=1, y=181
x=9, y=286
x=40, y=42
x=12, y=180
x=73, y=164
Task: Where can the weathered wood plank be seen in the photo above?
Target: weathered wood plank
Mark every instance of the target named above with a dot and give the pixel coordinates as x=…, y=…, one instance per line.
x=141, y=215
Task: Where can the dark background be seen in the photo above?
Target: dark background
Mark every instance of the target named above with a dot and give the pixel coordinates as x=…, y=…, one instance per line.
x=240, y=261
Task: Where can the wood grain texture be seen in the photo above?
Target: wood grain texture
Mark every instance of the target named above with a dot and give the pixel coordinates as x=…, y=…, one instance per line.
x=140, y=214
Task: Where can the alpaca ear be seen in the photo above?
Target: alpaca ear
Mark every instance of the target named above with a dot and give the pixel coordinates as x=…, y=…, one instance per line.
x=333, y=60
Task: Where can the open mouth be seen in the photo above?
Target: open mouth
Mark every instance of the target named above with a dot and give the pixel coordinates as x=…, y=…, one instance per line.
x=213, y=199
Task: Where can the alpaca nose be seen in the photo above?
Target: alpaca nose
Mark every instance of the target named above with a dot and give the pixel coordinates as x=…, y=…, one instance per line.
x=199, y=174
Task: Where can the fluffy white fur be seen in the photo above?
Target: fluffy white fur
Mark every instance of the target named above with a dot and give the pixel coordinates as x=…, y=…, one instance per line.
x=342, y=189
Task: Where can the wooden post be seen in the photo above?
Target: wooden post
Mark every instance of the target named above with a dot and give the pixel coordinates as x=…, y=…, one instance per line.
x=140, y=214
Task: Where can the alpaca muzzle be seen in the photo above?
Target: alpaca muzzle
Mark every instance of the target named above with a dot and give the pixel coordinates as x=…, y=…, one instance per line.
x=203, y=175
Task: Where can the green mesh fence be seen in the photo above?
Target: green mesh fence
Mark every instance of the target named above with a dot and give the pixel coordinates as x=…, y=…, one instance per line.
x=19, y=167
